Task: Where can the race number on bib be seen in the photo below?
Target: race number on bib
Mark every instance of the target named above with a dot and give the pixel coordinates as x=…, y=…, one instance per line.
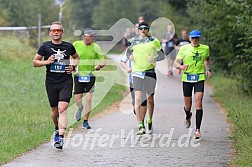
x=58, y=67
x=192, y=77
x=138, y=74
x=84, y=78
x=170, y=44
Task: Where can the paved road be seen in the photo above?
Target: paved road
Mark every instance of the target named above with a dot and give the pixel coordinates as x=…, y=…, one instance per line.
x=112, y=141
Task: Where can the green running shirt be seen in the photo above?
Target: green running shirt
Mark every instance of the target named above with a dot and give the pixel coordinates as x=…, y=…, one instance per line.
x=88, y=56
x=194, y=57
x=142, y=48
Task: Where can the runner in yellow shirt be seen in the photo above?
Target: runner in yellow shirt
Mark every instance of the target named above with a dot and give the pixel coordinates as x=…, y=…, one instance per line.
x=144, y=50
x=196, y=66
x=91, y=59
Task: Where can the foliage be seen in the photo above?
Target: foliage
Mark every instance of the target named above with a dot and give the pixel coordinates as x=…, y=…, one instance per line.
x=106, y=13
x=226, y=27
x=78, y=14
x=242, y=26
x=24, y=13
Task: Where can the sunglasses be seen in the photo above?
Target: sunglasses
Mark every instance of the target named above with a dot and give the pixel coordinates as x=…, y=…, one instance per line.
x=56, y=30
x=195, y=37
x=143, y=28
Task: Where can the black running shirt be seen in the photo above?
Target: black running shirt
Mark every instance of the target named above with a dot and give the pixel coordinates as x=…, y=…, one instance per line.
x=55, y=72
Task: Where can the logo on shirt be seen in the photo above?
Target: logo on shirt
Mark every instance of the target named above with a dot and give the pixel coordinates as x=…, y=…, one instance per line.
x=59, y=54
x=197, y=57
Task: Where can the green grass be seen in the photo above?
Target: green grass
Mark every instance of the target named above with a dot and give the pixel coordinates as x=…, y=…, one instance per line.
x=25, y=117
x=238, y=106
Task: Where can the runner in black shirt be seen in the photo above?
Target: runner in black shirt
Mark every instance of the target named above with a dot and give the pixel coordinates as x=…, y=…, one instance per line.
x=59, y=83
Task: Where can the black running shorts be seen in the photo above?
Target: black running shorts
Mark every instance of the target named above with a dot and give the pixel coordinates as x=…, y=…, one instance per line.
x=84, y=87
x=57, y=92
x=188, y=87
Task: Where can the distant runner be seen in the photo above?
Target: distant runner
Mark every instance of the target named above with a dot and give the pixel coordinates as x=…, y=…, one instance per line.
x=184, y=40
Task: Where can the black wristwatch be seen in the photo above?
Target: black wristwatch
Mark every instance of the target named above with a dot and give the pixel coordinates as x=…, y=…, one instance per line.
x=208, y=69
x=73, y=66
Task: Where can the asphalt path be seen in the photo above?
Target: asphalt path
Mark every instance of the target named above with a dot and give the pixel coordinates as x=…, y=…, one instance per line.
x=112, y=141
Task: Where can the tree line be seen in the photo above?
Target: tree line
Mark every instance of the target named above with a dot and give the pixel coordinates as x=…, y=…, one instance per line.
x=225, y=24
x=227, y=28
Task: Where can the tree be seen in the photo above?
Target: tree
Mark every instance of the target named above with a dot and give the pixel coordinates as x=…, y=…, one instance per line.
x=108, y=12
x=25, y=13
x=226, y=27
x=79, y=13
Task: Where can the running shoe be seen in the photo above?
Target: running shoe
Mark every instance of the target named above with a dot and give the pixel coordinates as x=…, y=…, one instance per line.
x=78, y=113
x=86, y=125
x=56, y=135
x=197, y=134
x=59, y=144
x=141, y=131
x=188, y=122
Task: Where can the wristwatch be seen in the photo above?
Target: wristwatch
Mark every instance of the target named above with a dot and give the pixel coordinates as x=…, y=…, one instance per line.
x=73, y=66
x=208, y=69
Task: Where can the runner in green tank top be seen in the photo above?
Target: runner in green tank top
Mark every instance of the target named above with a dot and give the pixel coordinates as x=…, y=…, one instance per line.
x=196, y=65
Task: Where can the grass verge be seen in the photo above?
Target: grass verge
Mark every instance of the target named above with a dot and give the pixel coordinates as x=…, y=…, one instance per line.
x=238, y=106
x=25, y=117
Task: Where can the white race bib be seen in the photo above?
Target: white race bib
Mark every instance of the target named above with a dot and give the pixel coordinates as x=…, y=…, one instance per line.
x=138, y=74
x=58, y=67
x=84, y=78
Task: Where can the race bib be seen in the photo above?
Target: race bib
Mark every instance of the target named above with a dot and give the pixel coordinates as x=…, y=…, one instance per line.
x=138, y=74
x=84, y=78
x=58, y=67
x=170, y=44
x=192, y=77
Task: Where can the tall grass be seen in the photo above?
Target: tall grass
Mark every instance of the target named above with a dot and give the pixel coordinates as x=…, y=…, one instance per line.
x=238, y=106
x=24, y=114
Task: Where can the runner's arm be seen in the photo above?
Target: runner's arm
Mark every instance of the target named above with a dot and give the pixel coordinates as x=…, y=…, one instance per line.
x=161, y=55
x=177, y=64
x=38, y=62
x=101, y=65
x=125, y=67
x=207, y=63
x=123, y=63
x=76, y=58
x=128, y=53
x=208, y=69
